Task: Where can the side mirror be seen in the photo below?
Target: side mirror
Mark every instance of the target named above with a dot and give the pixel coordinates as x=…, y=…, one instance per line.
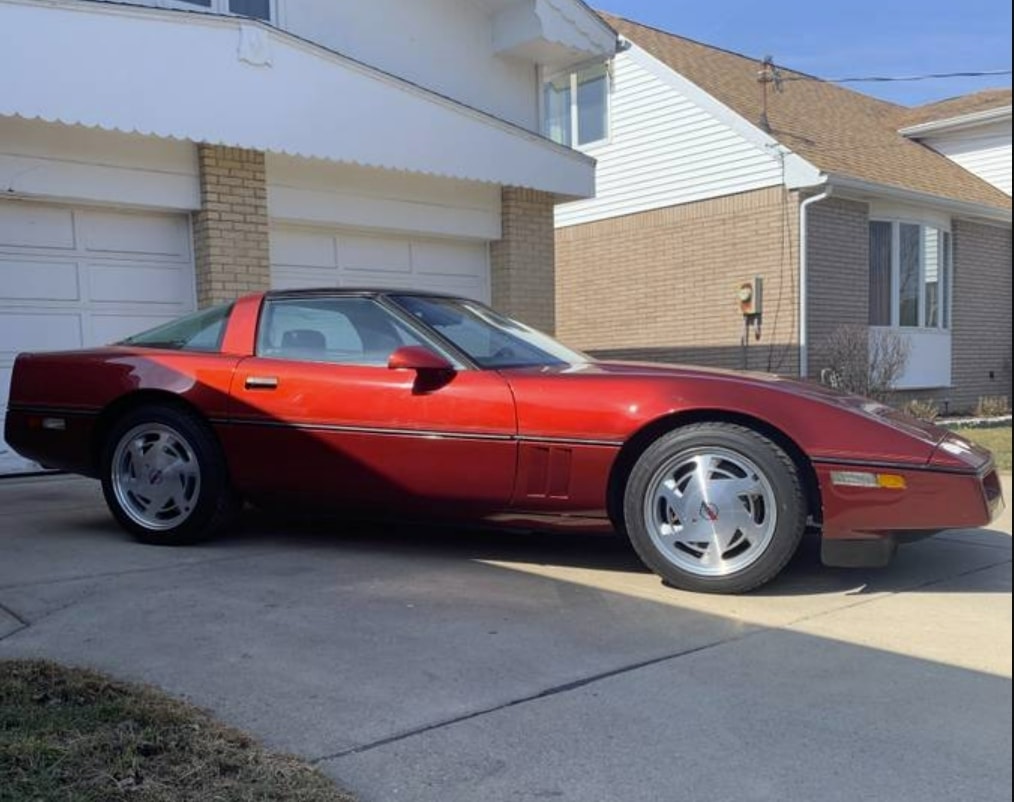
x=420, y=359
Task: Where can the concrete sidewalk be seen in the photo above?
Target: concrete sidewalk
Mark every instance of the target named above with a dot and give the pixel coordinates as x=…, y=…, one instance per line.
x=449, y=665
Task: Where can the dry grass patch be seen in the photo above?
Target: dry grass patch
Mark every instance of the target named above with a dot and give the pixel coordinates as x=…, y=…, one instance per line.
x=70, y=734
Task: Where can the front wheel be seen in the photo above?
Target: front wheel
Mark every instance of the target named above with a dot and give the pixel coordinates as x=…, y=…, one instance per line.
x=164, y=477
x=714, y=507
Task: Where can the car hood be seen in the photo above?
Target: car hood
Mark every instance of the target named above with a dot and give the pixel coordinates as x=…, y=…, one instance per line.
x=740, y=384
x=798, y=387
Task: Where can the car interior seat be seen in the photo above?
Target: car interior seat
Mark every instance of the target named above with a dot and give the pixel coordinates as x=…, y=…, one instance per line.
x=303, y=343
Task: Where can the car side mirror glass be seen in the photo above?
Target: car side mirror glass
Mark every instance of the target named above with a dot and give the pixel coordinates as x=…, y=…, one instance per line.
x=418, y=358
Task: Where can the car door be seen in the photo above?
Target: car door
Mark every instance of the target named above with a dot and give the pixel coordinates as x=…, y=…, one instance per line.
x=317, y=415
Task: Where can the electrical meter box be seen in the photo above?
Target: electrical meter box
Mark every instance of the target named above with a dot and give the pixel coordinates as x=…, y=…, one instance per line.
x=750, y=295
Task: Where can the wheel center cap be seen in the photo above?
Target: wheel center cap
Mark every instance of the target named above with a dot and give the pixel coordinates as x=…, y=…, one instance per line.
x=709, y=511
x=155, y=477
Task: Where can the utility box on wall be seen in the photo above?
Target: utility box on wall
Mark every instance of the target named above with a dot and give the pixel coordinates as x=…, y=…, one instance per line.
x=751, y=296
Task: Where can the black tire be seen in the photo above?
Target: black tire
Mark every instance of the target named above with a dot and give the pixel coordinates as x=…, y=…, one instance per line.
x=202, y=501
x=776, y=511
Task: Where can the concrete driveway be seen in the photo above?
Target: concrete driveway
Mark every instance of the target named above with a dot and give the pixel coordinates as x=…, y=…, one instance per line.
x=435, y=665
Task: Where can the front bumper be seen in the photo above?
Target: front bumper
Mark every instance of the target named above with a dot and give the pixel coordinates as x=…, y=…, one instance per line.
x=862, y=526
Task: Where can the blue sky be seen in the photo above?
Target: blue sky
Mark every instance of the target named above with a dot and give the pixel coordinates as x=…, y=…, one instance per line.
x=841, y=38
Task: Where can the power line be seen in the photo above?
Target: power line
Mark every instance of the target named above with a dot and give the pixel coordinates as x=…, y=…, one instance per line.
x=893, y=78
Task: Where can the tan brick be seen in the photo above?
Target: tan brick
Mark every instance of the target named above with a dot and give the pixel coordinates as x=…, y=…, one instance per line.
x=231, y=229
x=522, y=260
x=662, y=284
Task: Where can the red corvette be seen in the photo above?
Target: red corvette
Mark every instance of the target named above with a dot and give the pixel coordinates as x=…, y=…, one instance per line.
x=405, y=404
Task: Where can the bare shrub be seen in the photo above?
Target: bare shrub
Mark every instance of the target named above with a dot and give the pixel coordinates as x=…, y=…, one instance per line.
x=864, y=361
x=990, y=406
x=923, y=410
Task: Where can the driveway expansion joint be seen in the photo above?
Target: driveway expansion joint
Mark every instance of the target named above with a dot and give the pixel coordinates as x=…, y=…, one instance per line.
x=22, y=622
x=543, y=694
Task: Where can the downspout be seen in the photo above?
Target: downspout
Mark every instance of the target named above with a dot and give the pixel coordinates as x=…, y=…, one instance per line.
x=804, y=340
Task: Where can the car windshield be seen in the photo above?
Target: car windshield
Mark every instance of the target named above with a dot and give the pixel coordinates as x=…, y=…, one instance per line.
x=490, y=339
x=201, y=331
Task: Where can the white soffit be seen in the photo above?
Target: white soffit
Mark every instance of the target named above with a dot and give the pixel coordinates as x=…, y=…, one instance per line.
x=235, y=82
x=554, y=33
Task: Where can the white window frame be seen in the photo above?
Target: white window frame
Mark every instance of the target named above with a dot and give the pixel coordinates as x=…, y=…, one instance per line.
x=945, y=314
x=220, y=7
x=572, y=76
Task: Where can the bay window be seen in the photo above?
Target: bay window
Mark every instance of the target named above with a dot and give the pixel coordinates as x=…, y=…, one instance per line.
x=910, y=275
x=575, y=106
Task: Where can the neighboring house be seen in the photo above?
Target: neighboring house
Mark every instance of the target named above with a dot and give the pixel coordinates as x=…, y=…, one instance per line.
x=708, y=177
x=163, y=154
x=972, y=130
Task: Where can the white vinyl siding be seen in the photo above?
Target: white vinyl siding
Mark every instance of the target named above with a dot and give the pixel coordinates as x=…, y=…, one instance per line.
x=663, y=150
x=984, y=150
x=73, y=277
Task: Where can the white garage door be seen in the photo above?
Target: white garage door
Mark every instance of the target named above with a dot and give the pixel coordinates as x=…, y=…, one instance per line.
x=313, y=257
x=76, y=277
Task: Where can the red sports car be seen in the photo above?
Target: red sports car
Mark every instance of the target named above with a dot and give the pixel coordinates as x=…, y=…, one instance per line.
x=402, y=404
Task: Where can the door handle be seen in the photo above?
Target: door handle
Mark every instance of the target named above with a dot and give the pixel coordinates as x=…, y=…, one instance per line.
x=261, y=382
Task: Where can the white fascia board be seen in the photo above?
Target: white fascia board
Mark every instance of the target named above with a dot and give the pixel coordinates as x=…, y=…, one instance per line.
x=972, y=120
x=845, y=186
x=222, y=80
x=799, y=173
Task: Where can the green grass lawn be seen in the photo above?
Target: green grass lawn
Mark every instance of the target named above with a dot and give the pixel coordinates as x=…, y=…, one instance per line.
x=68, y=735
x=996, y=438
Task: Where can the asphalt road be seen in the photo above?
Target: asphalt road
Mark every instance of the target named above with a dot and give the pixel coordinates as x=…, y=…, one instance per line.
x=420, y=664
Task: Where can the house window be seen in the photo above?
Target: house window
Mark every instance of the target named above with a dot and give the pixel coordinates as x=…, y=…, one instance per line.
x=576, y=106
x=257, y=9
x=910, y=275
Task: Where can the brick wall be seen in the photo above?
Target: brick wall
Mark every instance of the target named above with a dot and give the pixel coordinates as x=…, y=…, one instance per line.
x=838, y=272
x=522, y=261
x=231, y=228
x=981, y=316
x=661, y=285
x=838, y=248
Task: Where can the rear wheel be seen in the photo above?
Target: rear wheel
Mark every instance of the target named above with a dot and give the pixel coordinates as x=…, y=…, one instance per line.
x=164, y=477
x=714, y=507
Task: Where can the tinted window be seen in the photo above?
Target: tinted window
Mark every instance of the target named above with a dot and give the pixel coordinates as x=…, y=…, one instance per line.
x=353, y=331
x=201, y=331
x=489, y=338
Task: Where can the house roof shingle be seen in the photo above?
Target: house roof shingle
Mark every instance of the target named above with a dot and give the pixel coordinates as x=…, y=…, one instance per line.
x=838, y=130
x=986, y=100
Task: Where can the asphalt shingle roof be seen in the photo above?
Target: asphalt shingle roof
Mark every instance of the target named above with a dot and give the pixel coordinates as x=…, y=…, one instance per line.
x=959, y=106
x=838, y=130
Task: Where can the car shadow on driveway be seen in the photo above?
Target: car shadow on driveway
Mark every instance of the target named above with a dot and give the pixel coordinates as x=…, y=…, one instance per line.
x=919, y=564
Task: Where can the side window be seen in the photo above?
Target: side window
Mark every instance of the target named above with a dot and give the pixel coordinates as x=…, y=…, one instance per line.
x=200, y=331
x=348, y=331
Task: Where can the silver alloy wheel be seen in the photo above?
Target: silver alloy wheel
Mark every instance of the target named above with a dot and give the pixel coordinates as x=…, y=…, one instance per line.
x=710, y=512
x=155, y=476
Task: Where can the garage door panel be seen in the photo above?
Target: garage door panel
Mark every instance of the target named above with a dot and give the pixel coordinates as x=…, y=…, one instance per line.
x=131, y=283
x=32, y=225
x=287, y=277
x=39, y=331
x=447, y=258
x=469, y=287
x=301, y=258
x=155, y=235
x=73, y=277
x=374, y=254
x=107, y=329
x=303, y=248
x=24, y=279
